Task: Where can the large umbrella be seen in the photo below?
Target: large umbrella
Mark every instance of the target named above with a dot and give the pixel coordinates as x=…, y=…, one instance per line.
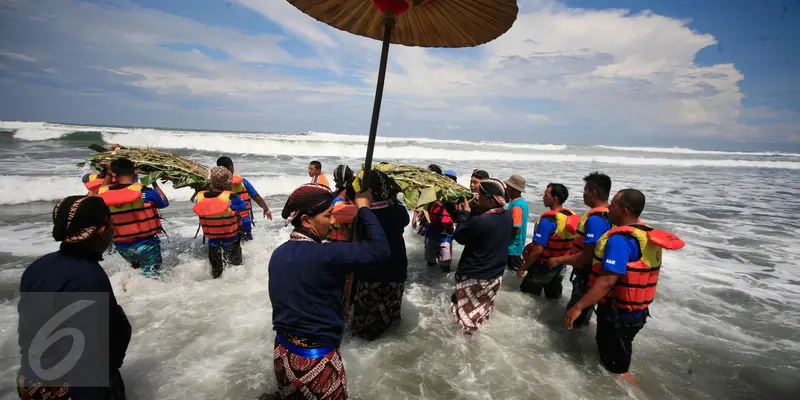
x=425, y=23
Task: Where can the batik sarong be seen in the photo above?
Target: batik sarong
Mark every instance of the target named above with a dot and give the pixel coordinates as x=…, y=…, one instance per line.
x=145, y=256
x=473, y=301
x=376, y=306
x=33, y=390
x=309, y=373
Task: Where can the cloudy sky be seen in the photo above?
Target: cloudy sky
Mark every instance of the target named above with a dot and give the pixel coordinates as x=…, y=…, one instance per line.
x=702, y=73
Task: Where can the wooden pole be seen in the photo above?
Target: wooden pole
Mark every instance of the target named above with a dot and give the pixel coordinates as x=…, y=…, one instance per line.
x=388, y=19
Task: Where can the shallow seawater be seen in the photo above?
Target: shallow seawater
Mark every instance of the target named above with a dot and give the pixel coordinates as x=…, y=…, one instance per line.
x=724, y=325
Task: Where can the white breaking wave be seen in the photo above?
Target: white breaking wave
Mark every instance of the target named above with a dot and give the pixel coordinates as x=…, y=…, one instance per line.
x=683, y=150
x=51, y=188
x=307, y=146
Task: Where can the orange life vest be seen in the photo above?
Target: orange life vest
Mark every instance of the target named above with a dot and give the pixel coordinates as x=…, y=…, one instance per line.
x=93, y=184
x=133, y=219
x=216, y=217
x=560, y=242
x=238, y=188
x=343, y=213
x=577, y=245
x=637, y=288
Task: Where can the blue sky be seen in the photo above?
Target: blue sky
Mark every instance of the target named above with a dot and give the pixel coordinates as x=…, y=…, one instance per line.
x=705, y=73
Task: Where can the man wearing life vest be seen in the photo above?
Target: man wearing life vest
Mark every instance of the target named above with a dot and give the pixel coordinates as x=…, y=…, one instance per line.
x=220, y=210
x=344, y=211
x=93, y=180
x=316, y=175
x=134, y=213
x=242, y=188
x=591, y=227
x=552, y=237
x=627, y=261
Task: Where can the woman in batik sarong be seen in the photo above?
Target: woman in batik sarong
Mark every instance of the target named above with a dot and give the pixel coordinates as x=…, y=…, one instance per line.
x=379, y=290
x=306, y=279
x=480, y=271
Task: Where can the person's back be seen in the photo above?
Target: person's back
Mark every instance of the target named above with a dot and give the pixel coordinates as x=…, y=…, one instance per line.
x=486, y=248
x=393, y=219
x=70, y=286
x=305, y=290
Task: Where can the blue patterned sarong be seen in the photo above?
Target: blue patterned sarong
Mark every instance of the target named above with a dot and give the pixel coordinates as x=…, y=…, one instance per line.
x=144, y=255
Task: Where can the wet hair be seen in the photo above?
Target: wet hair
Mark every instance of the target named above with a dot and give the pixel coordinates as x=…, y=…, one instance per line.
x=633, y=200
x=225, y=161
x=480, y=174
x=123, y=167
x=559, y=191
x=600, y=183
x=435, y=168
x=316, y=164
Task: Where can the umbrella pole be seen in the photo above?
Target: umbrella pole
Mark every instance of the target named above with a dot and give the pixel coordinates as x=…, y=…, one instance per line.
x=388, y=19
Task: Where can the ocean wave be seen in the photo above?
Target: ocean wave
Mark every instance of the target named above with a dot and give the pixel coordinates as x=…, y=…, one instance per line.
x=683, y=150
x=308, y=147
x=51, y=188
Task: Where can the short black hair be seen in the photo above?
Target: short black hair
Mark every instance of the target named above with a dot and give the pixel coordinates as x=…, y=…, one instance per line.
x=435, y=168
x=225, y=161
x=316, y=164
x=599, y=182
x=633, y=200
x=559, y=191
x=480, y=174
x=123, y=167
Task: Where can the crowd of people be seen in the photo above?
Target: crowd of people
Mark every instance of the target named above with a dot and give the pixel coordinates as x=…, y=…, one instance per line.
x=345, y=262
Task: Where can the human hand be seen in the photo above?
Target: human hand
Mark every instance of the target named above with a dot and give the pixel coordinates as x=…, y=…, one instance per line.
x=363, y=199
x=521, y=272
x=553, y=262
x=268, y=214
x=465, y=205
x=115, y=146
x=570, y=316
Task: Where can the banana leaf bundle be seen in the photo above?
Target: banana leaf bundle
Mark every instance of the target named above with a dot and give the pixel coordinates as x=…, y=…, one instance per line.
x=421, y=186
x=153, y=165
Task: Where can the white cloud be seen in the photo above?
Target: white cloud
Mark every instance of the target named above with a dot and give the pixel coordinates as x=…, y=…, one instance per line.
x=633, y=73
x=17, y=56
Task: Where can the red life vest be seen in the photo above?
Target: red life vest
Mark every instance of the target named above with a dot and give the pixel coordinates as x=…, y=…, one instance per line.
x=577, y=245
x=560, y=242
x=216, y=217
x=637, y=288
x=133, y=219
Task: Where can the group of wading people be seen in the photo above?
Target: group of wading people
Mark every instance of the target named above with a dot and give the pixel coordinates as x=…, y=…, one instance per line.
x=345, y=262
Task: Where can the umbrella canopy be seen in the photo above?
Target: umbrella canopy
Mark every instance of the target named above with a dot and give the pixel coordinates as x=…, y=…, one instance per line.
x=425, y=23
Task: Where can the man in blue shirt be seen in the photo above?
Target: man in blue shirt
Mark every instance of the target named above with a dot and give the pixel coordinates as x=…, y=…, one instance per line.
x=143, y=253
x=515, y=187
x=542, y=277
x=243, y=189
x=616, y=327
x=592, y=226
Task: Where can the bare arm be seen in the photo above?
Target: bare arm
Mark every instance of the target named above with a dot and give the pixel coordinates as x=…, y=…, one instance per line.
x=599, y=289
x=577, y=259
x=263, y=204
x=533, y=257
